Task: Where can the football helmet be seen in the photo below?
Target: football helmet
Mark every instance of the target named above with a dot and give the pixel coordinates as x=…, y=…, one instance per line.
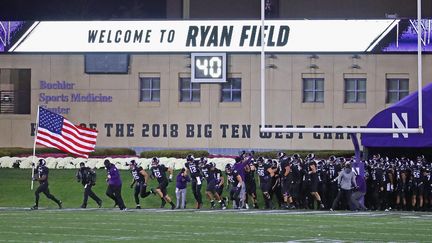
x=228, y=168
x=281, y=155
x=154, y=162
x=42, y=162
x=190, y=158
x=310, y=156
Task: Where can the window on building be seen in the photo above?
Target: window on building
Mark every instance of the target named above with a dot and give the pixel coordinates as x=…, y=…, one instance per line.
x=231, y=90
x=150, y=89
x=15, y=97
x=313, y=90
x=355, y=90
x=104, y=63
x=189, y=92
x=397, y=89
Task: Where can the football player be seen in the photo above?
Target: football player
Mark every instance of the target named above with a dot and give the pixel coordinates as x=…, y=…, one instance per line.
x=294, y=188
x=314, y=183
x=322, y=180
x=428, y=187
x=41, y=175
x=276, y=188
x=417, y=186
x=159, y=172
x=333, y=169
x=114, y=184
x=87, y=177
x=236, y=182
x=401, y=183
x=220, y=182
x=265, y=173
x=192, y=166
x=139, y=180
x=209, y=171
x=286, y=179
x=250, y=184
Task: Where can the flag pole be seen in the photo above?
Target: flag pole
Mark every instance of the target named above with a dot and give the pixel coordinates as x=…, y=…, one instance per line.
x=34, y=147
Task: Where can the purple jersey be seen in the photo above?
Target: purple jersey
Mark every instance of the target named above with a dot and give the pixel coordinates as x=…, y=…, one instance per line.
x=181, y=181
x=114, y=176
x=240, y=167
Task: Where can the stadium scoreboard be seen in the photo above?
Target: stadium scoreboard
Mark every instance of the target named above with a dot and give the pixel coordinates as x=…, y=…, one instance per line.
x=208, y=67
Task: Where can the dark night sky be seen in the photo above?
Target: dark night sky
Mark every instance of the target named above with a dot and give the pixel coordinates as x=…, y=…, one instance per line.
x=81, y=9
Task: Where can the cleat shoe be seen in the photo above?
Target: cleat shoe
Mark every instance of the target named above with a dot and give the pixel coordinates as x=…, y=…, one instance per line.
x=99, y=204
x=34, y=207
x=321, y=207
x=83, y=206
x=60, y=204
x=138, y=207
x=173, y=207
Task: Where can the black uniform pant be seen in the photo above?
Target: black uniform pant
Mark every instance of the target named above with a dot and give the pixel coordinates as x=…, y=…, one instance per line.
x=45, y=190
x=89, y=192
x=345, y=194
x=114, y=192
x=332, y=191
x=196, y=190
x=140, y=191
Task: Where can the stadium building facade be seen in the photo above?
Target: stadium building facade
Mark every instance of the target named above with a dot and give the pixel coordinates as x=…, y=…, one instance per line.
x=147, y=98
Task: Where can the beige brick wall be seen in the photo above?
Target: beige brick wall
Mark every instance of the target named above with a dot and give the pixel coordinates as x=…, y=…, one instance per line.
x=284, y=99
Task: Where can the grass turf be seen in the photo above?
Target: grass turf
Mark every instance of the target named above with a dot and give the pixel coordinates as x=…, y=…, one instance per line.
x=15, y=190
x=107, y=224
x=103, y=225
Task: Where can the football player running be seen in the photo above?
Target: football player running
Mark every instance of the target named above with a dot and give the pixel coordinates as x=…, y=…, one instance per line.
x=192, y=166
x=139, y=180
x=159, y=172
x=41, y=175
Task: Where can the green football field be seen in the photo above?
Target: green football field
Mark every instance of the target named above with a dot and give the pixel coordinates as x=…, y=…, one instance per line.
x=152, y=225
x=71, y=224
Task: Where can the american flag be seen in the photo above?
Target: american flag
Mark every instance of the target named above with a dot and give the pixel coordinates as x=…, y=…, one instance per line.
x=56, y=132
